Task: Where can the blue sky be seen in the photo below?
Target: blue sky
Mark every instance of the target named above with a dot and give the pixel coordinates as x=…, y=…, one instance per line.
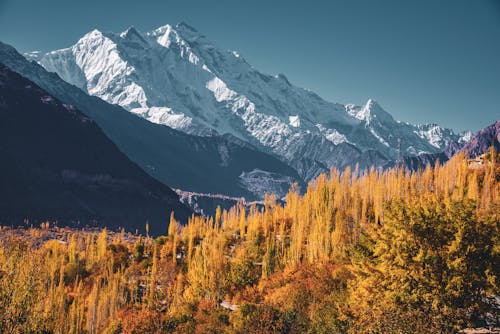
x=423, y=61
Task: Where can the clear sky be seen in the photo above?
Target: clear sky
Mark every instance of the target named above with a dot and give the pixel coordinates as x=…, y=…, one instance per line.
x=423, y=61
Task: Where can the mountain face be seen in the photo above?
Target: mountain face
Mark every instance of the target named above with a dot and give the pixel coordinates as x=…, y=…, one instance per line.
x=175, y=76
x=474, y=145
x=482, y=141
x=440, y=137
x=216, y=164
x=58, y=165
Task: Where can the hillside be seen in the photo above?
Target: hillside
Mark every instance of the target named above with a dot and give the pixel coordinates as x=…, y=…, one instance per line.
x=57, y=165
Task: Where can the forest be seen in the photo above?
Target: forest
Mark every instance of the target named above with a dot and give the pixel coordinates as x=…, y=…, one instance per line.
x=371, y=251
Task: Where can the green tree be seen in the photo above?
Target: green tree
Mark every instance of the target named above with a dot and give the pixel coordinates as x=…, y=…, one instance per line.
x=433, y=265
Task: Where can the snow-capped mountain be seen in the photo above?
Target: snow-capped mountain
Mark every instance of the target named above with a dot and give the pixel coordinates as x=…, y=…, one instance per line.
x=441, y=137
x=175, y=76
x=215, y=164
x=472, y=144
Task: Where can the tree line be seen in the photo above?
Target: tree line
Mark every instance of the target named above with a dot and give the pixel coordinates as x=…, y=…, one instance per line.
x=360, y=252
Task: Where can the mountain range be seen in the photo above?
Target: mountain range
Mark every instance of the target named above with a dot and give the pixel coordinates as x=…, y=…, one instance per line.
x=482, y=141
x=175, y=76
x=216, y=164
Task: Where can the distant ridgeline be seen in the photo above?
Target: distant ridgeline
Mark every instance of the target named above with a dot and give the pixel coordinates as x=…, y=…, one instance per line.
x=474, y=148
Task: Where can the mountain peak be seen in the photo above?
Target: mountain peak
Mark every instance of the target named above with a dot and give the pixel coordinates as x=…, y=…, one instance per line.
x=371, y=103
x=373, y=106
x=363, y=113
x=130, y=31
x=132, y=34
x=91, y=36
x=185, y=26
x=371, y=110
x=163, y=35
x=93, y=33
x=482, y=141
x=191, y=35
x=282, y=77
x=33, y=55
x=162, y=29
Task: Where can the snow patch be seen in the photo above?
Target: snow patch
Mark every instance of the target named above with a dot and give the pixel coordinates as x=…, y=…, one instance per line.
x=433, y=134
x=165, y=116
x=332, y=135
x=33, y=55
x=465, y=137
x=294, y=121
x=380, y=139
x=220, y=90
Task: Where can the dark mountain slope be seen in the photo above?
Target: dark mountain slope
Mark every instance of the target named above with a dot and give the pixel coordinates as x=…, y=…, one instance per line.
x=57, y=164
x=483, y=140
